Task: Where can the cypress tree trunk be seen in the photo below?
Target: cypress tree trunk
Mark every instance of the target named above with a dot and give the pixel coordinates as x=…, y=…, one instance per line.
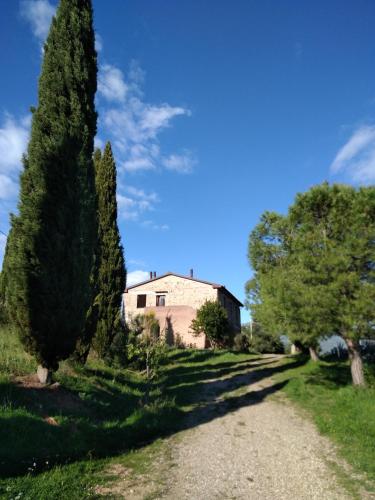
x=356, y=364
x=313, y=354
x=53, y=238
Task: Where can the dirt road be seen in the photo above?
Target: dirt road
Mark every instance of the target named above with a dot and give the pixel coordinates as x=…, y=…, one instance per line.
x=242, y=444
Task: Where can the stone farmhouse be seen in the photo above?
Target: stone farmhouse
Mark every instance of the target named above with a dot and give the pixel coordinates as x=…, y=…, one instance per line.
x=174, y=299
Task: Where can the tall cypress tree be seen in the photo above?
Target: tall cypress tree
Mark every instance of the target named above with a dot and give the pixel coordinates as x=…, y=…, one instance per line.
x=111, y=272
x=84, y=342
x=50, y=257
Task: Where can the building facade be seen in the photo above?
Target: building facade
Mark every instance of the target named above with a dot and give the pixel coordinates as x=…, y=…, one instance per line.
x=174, y=299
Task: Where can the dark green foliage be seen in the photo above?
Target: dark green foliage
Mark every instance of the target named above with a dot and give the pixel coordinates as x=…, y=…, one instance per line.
x=111, y=274
x=261, y=341
x=50, y=254
x=84, y=342
x=314, y=269
x=212, y=320
x=145, y=349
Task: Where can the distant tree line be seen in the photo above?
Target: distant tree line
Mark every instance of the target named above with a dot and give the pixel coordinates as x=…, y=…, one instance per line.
x=314, y=270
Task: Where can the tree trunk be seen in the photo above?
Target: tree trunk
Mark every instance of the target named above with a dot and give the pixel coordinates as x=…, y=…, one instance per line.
x=356, y=364
x=44, y=375
x=313, y=354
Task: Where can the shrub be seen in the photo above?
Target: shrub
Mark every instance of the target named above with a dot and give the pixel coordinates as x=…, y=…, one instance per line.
x=145, y=349
x=212, y=320
x=240, y=343
x=261, y=341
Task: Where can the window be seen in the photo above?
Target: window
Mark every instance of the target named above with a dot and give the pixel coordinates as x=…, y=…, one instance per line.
x=141, y=301
x=160, y=300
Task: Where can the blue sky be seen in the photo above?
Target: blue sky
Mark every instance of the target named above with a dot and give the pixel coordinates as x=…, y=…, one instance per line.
x=216, y=110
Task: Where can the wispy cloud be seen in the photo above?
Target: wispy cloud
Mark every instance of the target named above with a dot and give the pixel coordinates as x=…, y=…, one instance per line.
x=38, y=13
x=137, y=276
x=13, y=142
x=135, y=125
x=181, y=163
x=150, y=224
x=356, y=158
x=135, y=203
x=3, y=241
x=111, y=83
x=98, y=42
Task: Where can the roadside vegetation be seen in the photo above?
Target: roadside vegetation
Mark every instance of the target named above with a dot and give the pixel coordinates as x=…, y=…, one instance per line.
x=314, y=270
x=341, y=411
x=57, y=439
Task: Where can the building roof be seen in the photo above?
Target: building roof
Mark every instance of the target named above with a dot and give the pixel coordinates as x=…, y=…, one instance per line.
x=214, y=285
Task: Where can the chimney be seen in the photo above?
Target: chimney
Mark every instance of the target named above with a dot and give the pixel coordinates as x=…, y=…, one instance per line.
x=150, y=275
x=154, y=274
x=191, y=273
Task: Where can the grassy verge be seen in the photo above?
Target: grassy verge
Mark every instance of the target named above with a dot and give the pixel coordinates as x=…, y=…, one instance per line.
x=342, y=412
x=56, y=441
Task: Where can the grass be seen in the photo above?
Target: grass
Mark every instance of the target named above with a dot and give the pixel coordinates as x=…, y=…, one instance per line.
x=59, y=443
x=342, y=412
x=56, y=442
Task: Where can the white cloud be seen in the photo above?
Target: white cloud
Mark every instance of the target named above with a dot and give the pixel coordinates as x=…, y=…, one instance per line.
x=8, y=188
x=357, y=157
x=137, y=276
x=98, y=42
x=182, y=164
x=156, y=227
x=133, y=124
x=141, y=194
x=39, y=14
x=13, y=141
x=131, y=207
x=111, y=83
x=3, y=242
x=98, y=142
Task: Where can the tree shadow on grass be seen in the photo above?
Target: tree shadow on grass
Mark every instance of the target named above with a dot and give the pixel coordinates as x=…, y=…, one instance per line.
x=332, y=376
x=107, y=420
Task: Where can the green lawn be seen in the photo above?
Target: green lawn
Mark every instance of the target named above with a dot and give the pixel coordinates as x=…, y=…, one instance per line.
x=56, y=441
x=342, y=412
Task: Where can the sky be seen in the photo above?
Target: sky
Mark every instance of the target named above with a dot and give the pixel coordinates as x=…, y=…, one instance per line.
x=216, y=111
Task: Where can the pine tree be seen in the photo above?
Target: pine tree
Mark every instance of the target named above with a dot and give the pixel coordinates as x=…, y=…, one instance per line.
x=111, y=272
x=50, y=257
x=314, y=269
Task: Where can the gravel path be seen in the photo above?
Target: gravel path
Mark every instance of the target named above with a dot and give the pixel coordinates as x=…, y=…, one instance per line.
x=243, y=445
x=263, y=450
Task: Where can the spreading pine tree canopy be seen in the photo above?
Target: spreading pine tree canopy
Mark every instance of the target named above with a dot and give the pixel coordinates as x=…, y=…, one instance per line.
x=314, y=268
x=50, y=255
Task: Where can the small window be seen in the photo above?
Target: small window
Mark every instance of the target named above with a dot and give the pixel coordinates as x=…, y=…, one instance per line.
x=141, y=301
x=160, y=300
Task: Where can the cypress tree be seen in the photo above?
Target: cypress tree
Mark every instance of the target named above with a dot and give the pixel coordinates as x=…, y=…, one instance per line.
x=50, y=258
x=85, y=340
x=111, y=279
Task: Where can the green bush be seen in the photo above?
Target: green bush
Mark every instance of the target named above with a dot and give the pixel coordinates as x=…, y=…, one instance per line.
x=261, y=341
x=212, y=320
x=145, y=349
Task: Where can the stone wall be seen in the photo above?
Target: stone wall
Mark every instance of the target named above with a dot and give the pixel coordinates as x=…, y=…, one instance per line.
x=178, y=291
